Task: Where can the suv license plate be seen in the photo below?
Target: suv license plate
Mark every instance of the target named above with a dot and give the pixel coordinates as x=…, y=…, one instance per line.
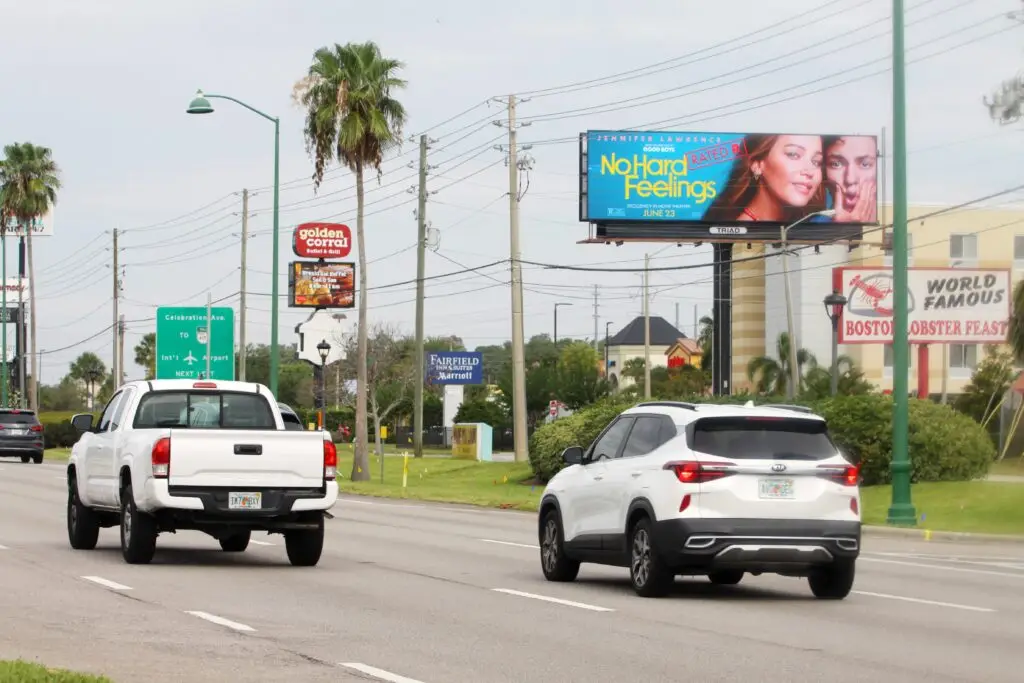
x=245, y=501
x=775, y=488
x=17, y=432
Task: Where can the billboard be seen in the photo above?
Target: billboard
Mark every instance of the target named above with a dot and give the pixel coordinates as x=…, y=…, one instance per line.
x=322, y=240
x=728, y=186
x=946, y=305
x=312, y=284
x=40, y=227
x=454, y=367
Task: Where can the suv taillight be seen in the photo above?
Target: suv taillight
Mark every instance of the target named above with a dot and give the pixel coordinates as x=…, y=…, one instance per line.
x=36, y=428
x=847, y=475
x=162, y=458
x=689, y=472
x=330, y=460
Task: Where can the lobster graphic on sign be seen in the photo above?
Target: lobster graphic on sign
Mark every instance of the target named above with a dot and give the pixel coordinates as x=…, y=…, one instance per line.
x=871, y=296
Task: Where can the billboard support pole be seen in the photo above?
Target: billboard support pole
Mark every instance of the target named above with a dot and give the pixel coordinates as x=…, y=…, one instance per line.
x=901, y=511
x=647, y=327
x=721, y=328
x=421, y=243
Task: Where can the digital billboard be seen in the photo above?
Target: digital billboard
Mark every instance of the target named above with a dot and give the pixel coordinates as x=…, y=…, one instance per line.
x=731, y=186
x=946, y=305
x=312, y=284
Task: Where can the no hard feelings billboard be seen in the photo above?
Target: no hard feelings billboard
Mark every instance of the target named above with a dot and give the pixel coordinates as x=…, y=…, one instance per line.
x=732, y=186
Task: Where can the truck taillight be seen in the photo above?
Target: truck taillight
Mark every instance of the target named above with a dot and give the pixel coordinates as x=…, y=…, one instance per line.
x=690, y=472
x=330, y=460
x=162, y=458
x=847, y=475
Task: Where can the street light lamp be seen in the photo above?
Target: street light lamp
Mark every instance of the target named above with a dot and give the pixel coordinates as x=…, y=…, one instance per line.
x=834, y=303
x=324, y=349
x=794, y=371
x=556, y=321
x=200, y=104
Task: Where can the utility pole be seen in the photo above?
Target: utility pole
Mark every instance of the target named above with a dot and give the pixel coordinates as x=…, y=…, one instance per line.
x=241, y=293
x=901, y=511
x=677, y=315
x=421, y=250
x=117, y=294
x=20, y=328
x=209, y=332
x=647, y=327
x=596, y=318
x=120, y=351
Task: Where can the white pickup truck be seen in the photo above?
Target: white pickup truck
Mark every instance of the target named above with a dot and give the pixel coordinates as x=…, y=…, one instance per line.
x=210, y=456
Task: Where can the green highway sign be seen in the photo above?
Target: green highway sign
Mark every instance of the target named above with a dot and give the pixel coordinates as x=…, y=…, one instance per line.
x=181, y=343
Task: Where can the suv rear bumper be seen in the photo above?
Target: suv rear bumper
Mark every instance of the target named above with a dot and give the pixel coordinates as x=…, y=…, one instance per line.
x=768, y=545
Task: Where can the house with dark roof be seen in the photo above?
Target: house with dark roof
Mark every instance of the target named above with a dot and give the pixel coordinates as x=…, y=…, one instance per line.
x=628, y=343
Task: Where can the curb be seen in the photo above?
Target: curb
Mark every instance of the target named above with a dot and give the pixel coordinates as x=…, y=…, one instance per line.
x=930, y=535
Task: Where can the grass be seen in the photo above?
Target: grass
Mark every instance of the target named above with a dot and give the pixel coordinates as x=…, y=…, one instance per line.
x=56, y=454
x=1012, y=465
x=392, y=449
x=491, y=484
x=968, y=506
x=20, y=671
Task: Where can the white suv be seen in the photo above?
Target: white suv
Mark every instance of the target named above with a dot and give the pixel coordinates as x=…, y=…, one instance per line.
x=674, y=488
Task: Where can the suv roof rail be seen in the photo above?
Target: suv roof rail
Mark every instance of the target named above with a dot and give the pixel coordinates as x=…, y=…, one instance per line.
x=784, y=406
x=669, y=404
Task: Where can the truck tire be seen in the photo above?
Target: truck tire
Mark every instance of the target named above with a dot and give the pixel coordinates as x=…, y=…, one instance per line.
x=304, y=546
x=236, y=543
x=138, y=531
x=83, y=525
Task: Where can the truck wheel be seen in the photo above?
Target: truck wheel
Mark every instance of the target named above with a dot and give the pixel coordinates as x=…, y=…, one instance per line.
x=83, y=525
x=138, y=531
x=236, y=543
x=304, y=546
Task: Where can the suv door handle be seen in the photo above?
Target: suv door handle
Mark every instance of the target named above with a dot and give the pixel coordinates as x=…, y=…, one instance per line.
x=598, y=476
x=635, y=474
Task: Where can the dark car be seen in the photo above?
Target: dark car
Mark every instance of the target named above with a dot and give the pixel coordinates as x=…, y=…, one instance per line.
x=292, y=421
x=21, y=435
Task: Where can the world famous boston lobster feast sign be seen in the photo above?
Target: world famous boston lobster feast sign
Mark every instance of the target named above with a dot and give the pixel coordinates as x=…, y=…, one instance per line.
x=322, y=240
x=945, y=305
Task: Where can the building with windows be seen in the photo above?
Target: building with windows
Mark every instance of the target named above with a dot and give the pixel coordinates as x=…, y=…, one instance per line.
x=938, y=237
x=628, y=344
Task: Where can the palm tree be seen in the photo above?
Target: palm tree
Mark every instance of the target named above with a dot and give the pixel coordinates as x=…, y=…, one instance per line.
x=145, y=354
x=705, y=337
x=29, y=180
x=771, y=375
x=351, y=115
x=1015, y=336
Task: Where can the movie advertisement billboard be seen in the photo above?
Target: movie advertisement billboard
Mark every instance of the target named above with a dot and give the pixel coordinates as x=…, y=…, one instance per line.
x=322, y=240
x=312, y=284
x=732, y=186
x=946, y=305
x=454, y=367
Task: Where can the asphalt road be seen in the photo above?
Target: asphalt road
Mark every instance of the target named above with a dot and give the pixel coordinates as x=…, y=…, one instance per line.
x=420, y=593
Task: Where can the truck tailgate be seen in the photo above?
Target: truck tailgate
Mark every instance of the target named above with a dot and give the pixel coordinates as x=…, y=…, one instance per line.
x=253, y=458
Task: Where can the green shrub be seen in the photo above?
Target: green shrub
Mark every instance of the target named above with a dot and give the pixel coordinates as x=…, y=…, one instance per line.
x=944, y=445
x=24, y=672
x=60, y=435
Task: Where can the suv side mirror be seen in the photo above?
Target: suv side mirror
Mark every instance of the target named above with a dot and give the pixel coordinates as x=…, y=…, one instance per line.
x=573, y=455
x=82, y=422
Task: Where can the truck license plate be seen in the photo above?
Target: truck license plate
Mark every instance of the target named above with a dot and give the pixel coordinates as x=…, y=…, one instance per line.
x=245, y=501
x=775, y=488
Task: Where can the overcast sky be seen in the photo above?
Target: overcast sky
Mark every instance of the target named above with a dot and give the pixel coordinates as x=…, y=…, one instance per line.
x=104, y=83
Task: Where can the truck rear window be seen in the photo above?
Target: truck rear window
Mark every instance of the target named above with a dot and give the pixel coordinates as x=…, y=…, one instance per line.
x=204, y=410
x=762, y=438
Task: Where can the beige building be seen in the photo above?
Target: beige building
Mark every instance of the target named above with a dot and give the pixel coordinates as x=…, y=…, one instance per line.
x=939, y=236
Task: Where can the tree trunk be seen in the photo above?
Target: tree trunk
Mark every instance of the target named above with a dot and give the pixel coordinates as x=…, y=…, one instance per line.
x=33, y=377
x=361, y=459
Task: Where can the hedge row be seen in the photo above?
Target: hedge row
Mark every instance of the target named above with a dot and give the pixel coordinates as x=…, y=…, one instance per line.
x=944, y=445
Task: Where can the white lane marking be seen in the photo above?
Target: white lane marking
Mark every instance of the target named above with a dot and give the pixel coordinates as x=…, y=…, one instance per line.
x=113, y=585
x=919, y=601
x=378, y=673
x=221, y=621
x=557, y=601
x=963, y=570
x=3, y=547
x=261, y=543
x=515, y=545
x=433, y=506
x=980, y=561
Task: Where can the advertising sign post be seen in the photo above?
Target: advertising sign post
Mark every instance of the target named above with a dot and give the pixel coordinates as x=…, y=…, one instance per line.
x=316, y=284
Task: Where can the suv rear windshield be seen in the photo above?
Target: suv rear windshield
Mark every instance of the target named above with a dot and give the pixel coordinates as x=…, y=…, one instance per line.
x=762, y=438
x=204, y=410
x=8, y=417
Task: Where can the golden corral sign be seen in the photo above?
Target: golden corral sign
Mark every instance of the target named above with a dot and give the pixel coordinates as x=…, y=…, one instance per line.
x=946, y=305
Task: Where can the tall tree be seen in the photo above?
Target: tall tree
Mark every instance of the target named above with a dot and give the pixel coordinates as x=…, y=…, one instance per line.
x=771, y=375
x=704, y=340
x=29, y=180
x=579, y=376
x=352, y=115
x=90, y=370
x=145, y=354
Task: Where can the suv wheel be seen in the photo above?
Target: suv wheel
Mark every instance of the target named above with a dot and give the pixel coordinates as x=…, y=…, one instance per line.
x=651, y=577
x=726, y=577
x=38, y=458
x=554, y=563
x=26, y=458
x=138, y=531
x=236, y=543
x=834, y=581
x=83, y=526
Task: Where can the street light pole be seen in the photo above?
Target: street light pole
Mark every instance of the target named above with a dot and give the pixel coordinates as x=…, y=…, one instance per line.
x=556, y=322
x=324, y=349
x=793, y=386
x=834, y=303
x=606, y=326
x=201, y=105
